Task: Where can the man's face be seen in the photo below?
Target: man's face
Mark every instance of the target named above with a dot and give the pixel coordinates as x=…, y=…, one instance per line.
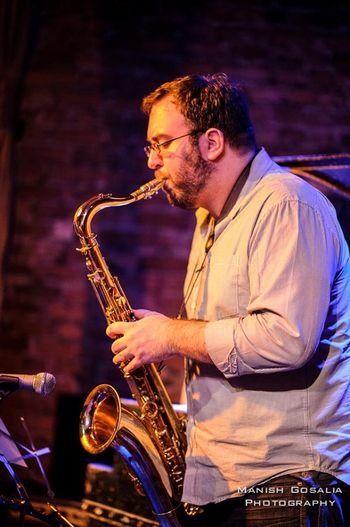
x=178, y=163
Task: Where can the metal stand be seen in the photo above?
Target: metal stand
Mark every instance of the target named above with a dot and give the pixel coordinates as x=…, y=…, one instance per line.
x=22, y=504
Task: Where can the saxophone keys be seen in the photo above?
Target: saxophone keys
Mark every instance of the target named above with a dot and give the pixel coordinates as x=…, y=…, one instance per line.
x=149, y=409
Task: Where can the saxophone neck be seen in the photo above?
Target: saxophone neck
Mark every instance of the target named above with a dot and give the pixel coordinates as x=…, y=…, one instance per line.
x=88, y=210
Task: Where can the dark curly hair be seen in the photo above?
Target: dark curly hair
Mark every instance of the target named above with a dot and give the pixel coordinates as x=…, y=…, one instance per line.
x=209, y=101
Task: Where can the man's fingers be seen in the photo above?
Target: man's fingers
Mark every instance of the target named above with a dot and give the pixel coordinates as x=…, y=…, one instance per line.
x=116, y=329
x=123, y=356
x=118, y=345
x=142, y=313
x=132, y=365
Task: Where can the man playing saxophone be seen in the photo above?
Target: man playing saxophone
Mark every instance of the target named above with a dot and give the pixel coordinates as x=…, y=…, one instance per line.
x=267, y=334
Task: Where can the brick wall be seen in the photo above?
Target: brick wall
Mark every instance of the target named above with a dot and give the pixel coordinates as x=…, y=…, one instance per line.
x=83, y=134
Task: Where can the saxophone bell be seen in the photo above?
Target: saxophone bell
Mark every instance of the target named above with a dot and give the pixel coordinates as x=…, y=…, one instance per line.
x=100, y=419
x=105, y=422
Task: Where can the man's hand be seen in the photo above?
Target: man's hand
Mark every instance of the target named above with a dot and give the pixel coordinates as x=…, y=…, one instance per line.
x=154, y=338
x=142, y=342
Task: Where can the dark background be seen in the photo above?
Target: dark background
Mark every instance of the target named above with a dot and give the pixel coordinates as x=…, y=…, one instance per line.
x=72, y=79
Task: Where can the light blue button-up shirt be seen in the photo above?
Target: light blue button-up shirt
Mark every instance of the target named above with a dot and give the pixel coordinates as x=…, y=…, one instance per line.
x=275, y=286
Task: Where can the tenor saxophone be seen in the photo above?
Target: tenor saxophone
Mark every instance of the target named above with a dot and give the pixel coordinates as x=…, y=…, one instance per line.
x=153, y=443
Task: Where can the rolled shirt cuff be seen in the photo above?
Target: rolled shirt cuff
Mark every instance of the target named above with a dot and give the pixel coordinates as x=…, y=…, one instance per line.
x=220, y=345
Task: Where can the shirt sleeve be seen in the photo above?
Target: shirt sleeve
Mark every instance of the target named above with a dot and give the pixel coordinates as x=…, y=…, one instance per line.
x=292, y=263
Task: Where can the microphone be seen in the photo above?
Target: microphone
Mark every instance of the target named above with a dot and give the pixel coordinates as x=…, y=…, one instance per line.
x=42, y=383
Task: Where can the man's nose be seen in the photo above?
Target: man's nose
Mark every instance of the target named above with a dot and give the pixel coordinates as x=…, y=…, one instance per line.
x=154, y=160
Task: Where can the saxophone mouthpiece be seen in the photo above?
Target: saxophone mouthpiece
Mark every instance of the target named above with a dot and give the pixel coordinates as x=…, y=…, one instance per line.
x=147, y=190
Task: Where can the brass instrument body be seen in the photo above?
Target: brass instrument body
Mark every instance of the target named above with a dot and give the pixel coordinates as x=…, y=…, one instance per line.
x=106, y=423
x=154, y=443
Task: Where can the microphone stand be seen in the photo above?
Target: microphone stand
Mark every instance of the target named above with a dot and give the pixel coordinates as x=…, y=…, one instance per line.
x=5, y=389
x=23, y=505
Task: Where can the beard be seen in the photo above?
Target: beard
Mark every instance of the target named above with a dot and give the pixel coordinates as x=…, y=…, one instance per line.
x=191, y=178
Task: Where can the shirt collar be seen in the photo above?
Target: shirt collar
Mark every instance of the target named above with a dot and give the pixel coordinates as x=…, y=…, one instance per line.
x=257, y=169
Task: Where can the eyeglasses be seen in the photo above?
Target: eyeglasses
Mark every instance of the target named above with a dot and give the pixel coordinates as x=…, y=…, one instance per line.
x=158, y=146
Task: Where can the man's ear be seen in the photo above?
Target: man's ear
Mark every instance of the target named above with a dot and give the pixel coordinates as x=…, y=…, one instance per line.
x=214, y=144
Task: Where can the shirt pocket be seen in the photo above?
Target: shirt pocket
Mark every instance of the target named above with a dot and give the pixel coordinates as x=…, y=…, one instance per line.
x=223, y=287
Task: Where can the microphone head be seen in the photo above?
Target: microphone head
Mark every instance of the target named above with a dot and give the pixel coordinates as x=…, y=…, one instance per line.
x=44, y=383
